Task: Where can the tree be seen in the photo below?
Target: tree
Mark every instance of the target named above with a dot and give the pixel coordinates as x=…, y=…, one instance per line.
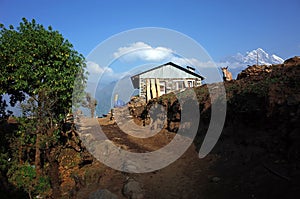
x=90, y=103
x=38, y=63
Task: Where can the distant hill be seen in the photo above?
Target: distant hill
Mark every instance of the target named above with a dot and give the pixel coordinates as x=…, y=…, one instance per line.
x=105, y=95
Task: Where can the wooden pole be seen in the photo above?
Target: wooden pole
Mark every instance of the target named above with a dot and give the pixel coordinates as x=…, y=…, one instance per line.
x=157, y=87
x=186, y=85
x=153, y=88
x=148, y=94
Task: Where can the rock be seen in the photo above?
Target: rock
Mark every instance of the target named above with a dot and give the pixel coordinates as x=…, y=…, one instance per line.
x=102, y=194
x=136, y=106
x=292, y=61
x=215, y=179
x=133, y=190
x=255, y=70
x=130, y=166
x=173, y=126
x=86, y=158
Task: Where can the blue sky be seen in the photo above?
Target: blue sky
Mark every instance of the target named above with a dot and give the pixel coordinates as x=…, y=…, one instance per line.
x=222, y=27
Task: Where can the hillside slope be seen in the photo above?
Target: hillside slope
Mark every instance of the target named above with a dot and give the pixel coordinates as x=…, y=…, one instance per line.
x=258, y=153
x=259, y=147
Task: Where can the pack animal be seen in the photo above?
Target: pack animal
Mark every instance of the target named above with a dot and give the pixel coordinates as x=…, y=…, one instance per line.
x=227, y=76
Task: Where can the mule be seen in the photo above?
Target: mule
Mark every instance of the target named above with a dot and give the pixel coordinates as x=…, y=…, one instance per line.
x=227, y=76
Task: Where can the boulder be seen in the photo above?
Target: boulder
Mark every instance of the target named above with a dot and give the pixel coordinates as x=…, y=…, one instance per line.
x=215, y=179
x=133, y=190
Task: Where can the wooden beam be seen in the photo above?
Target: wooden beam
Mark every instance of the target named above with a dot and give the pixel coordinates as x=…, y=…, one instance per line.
x=153, y=88
x=157, y=87
x=148, y=93
x=186, y=85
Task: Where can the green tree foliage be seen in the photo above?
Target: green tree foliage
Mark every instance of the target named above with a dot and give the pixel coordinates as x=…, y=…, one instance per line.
x=34, y=60
x=24, y=177
x=39, y=68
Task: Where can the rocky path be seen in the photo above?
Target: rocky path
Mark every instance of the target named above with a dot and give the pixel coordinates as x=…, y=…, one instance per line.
x=182, y=178
x=227, y=172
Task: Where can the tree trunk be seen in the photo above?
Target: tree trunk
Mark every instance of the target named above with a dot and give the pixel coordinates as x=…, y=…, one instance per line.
x=20, y=154
x=29, y=194
x=39, y=131
x=38, y=156
x=54, y=172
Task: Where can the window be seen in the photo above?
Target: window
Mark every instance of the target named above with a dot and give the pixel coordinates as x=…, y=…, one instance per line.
x=191, y=83
x=179, y=84
x=162, y=87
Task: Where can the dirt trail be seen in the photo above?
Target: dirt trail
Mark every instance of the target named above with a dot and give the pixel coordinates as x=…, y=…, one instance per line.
x=184, y=178
x=225, y=172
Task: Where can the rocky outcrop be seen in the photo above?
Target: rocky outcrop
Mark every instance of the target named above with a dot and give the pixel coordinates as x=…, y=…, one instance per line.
x=255, y=70
x=294, y=61
x=258, y=72
x=136, y=106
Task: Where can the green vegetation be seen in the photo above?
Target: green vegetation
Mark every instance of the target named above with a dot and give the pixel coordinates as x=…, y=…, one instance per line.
x=38, y=68
x=24, y=176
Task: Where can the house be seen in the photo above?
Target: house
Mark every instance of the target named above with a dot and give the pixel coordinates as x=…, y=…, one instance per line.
x=164, y=79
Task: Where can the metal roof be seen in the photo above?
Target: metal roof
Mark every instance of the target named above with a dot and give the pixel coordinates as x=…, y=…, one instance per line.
x=172, y=64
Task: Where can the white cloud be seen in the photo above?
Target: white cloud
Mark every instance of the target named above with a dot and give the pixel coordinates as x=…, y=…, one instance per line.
x=192, y=62
x=102, y=75
x=143, y=51
x=94, y=68
x=95, y=73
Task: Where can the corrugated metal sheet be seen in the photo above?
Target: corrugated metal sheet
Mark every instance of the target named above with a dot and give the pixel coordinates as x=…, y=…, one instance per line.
x=167, y=71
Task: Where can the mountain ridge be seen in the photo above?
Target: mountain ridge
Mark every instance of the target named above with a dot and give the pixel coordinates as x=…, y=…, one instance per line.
x=251, y=58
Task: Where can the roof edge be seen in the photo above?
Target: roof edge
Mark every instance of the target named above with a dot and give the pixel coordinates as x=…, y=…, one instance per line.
x=176, y=66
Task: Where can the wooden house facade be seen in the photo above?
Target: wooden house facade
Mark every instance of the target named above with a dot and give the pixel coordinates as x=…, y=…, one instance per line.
x=164, y=79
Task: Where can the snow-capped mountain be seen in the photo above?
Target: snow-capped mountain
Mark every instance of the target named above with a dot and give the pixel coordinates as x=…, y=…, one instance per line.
x=239, y=62
x=262, y=57
x=251, y=58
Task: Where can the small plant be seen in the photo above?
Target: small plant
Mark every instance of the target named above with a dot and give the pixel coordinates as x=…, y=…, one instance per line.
x=24, y=177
